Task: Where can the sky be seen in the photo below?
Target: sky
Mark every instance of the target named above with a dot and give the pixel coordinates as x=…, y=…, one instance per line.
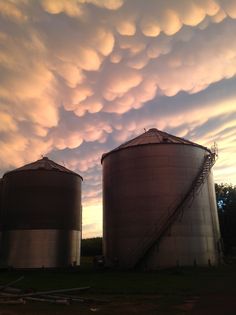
x=80, y=77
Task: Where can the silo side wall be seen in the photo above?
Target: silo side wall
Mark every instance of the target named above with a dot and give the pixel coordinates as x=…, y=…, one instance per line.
x=41, y=219
x=215, y=216
x=1, y=200
x=141, y=185
x=41, y=248
x=1, y=197
x=193, y=239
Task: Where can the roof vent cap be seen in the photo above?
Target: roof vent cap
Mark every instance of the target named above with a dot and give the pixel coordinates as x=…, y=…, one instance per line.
x=152, y=129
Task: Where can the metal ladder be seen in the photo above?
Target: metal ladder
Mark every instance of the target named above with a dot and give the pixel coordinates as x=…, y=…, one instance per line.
x=155, y=235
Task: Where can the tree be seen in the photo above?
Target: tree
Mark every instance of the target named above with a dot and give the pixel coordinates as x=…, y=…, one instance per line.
x=91, y=246
x=226, y=202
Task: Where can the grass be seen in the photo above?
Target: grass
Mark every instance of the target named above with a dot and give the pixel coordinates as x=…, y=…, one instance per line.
x=128, y=291
x=182, y=280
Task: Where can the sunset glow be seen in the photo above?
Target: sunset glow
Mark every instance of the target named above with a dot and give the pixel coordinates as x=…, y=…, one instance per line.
x=79, y=77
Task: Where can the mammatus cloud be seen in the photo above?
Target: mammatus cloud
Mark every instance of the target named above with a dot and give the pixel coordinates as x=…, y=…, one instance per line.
x=78, y=77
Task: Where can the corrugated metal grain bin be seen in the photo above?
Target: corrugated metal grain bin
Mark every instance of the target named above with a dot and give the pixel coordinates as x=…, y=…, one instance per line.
x=41, y=216
x=1, y=184
x=159, y=203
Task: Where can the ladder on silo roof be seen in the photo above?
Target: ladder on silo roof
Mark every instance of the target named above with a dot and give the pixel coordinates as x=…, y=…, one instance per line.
x=165, y=223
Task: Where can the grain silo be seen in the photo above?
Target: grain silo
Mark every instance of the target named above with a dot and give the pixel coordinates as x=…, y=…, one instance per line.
x=159, y=203
x=1, y=184
x=41, y=216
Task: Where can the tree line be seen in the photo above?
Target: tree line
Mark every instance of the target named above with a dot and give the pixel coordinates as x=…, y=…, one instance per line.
x=226, y=204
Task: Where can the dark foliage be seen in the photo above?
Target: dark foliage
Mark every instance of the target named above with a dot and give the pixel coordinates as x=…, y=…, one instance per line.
x=226, y=202
x=91, y=246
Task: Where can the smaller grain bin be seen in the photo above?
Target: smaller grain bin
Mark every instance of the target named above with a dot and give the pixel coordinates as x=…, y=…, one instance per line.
x=41, y=216
x=159, y=207
x=1, y=184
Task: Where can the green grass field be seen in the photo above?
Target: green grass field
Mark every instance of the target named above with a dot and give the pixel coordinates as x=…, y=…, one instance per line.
x=160, y=292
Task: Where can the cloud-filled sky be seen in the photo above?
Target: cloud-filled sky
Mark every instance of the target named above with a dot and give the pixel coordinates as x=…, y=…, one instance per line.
x=80, y=77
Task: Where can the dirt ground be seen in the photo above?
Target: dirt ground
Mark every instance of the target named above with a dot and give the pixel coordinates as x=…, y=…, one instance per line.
x=134, y=304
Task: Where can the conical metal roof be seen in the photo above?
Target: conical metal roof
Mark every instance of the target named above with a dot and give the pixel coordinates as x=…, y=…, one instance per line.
x=153, y=136
x=44, y=164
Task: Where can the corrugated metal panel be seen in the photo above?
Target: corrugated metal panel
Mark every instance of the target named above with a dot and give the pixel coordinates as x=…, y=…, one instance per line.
x=1, y=197
x=141, y=185
x=41, y=216
x=41, y=200
x=44, y=164
x=41, y=248
x=153, y=136
x=1, y=200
